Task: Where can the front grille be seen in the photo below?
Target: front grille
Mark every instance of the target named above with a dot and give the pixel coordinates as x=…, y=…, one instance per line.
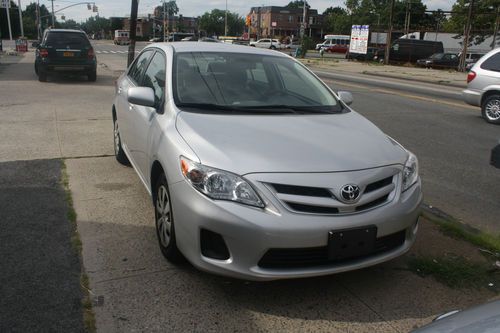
x=378, y=185
x=318, y=256
x=319, y=200
x=302, y=190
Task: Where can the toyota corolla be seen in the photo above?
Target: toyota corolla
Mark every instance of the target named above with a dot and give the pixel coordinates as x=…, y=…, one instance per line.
x=257, y=169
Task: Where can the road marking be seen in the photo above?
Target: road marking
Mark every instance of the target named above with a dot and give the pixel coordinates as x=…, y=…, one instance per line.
x=391, y=92
x=112, y=51
x=104, y=51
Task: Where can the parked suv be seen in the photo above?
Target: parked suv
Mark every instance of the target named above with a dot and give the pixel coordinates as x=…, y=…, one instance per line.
x=483, y=86
x=267, y=44
x=64, y=50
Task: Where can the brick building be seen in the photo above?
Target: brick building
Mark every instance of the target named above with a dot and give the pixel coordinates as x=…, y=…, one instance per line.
x=281, y=22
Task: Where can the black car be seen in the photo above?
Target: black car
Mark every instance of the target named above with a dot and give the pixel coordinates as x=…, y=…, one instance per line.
x=66, y=51
x=369, y=56
x=440, y=60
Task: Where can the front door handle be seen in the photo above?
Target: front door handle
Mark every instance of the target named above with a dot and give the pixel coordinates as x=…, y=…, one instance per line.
x=120, y=90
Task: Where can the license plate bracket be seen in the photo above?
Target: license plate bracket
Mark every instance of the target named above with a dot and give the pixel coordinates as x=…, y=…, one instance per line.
x=351, y=243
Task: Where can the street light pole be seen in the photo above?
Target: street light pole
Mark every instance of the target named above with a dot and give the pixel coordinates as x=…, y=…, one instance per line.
x=20, y=17
x=495, y=33
x=463, y=56
x=389, y=35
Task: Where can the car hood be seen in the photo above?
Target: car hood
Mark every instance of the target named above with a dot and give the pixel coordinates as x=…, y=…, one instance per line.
x=288, y=143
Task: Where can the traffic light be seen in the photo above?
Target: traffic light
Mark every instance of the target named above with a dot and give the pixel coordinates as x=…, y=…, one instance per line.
x=89, y=7
x=248, y=21
x=94, y=9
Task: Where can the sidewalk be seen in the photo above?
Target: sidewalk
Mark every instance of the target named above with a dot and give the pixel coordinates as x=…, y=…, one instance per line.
x=434, y=76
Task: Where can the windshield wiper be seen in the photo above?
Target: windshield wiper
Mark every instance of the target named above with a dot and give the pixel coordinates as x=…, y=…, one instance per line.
x=235, y=109
x=300, y=109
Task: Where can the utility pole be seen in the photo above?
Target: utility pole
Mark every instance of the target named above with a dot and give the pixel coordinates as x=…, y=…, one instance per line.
x=164, y=22
x=8, y=19
x=389, y=35
x=225, y=22
x=133, y=31
x=463, y=56
x=495, y=33
x=38, y=20
x=53, y=16
x=303, y=26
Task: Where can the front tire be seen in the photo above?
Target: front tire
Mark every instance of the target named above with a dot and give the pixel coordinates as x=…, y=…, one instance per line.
x=164, y=222
x=490, y=109
x=120, y=155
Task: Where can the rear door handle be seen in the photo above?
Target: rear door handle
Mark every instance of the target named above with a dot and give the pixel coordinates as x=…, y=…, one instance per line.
x=120, y=90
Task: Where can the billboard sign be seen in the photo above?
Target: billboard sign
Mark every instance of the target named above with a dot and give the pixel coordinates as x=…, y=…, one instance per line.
x=4, y=3
x=359, y=39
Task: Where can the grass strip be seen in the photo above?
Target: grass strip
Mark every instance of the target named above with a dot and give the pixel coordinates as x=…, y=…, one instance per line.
x=88, y=313
x=453, y=228
x=456, y=272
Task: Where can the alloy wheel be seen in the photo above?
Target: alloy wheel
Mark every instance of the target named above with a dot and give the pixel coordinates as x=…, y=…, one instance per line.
x=163, y=216
x=492, y=109
x=117, y=137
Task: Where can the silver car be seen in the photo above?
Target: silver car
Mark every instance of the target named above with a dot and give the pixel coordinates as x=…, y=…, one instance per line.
x=483, y=86
x=256, y=169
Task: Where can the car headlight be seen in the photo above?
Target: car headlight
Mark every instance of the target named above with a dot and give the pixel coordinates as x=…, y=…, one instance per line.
x=410, y=171
x=219, y=184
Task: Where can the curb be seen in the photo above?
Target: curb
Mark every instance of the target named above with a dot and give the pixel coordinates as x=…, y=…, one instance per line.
x=441, y=83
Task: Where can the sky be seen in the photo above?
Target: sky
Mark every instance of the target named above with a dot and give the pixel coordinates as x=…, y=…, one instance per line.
x=109, y=8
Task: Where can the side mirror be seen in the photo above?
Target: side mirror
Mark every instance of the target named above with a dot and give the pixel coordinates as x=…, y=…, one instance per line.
x=35, y=44
x=141, y=96
x=495, y=156
x=346, y=97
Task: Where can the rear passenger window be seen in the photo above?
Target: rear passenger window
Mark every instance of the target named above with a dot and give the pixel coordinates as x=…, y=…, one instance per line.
x=139, y=66
x=492, y=63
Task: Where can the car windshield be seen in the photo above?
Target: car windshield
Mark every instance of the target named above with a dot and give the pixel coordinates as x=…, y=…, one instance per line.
x=437, y=56
x=225, y=81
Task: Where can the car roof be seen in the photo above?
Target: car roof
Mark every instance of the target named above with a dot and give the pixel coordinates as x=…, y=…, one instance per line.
x=67, y=30
x=182, y=47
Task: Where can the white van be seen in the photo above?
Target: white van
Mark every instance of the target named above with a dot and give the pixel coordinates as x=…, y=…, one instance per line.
x=341, y=41
x=122, y=37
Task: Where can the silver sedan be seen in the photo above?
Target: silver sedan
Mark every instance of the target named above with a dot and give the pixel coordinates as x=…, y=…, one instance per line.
x=257, y=169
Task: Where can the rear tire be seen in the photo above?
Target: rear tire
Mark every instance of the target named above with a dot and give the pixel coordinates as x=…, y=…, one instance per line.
x=42, y=75
x=273, y=47
x=92, y=76
x=120, y=155
x=164, y=222
x=490, y=109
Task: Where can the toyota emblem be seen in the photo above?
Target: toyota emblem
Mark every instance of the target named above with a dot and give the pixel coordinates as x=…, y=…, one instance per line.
x=349, y=193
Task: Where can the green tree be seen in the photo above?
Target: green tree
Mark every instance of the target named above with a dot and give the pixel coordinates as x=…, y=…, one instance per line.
x=171, y=9
x=297, y=4
x=96, y=25
x=213, y=23
x=14, y=21
x=483, y=18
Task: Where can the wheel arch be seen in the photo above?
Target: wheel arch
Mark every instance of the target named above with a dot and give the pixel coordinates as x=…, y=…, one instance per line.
x=488, y=94
x=156, y=170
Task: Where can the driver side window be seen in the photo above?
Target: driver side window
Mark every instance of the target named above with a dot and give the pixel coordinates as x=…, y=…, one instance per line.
x=139, y=66
x=155, y=77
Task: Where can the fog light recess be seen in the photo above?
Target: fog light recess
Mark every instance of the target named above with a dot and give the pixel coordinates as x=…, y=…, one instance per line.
x=213, y=245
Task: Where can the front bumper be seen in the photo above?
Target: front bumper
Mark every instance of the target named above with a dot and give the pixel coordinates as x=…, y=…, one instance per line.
x=472, y=97
x=250, y=232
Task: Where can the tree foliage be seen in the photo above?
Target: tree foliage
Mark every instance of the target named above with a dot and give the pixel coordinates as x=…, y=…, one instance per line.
x=213, y=23
x=375, y=13
x=96, y=24
x=171, y=9
x=297, y=4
